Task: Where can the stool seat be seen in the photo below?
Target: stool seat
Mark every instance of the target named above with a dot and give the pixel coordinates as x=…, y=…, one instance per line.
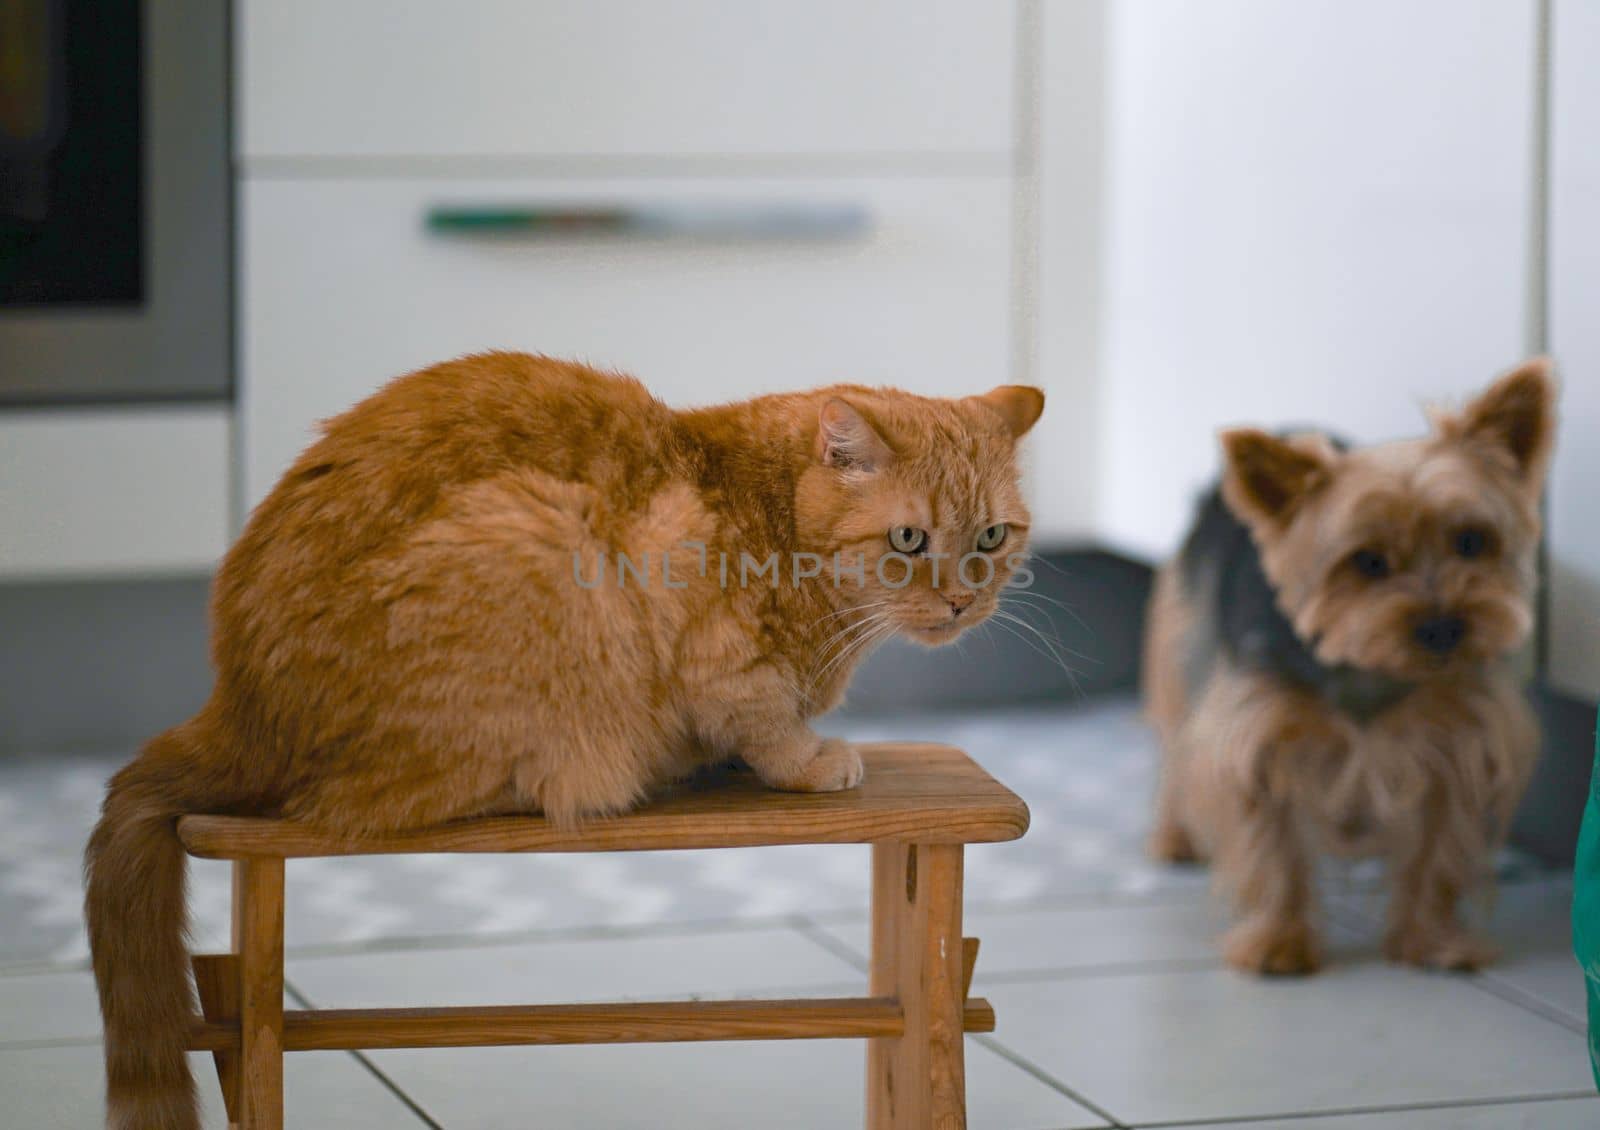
x=919, y=806
x=914, y=792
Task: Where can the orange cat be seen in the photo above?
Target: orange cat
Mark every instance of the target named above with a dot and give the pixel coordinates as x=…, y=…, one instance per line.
x=507, y=583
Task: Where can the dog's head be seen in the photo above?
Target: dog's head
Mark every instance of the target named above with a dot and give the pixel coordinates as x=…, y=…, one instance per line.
x=1412, y=558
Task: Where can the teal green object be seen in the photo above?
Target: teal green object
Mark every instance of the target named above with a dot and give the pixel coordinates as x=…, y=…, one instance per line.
x=1586, y=909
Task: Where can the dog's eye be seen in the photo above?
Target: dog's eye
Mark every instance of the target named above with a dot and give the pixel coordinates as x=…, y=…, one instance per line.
x=907, y=539
x=992, y=537
x=1471, y=542
x=1370, y=563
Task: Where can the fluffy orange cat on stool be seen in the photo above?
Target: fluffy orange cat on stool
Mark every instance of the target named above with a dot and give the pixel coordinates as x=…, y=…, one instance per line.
x=1325, y=664
x=415, y=627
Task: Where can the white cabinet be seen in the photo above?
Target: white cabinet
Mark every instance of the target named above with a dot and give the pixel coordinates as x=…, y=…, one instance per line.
x=345, y=287
x=617, y=79
x=1575, y=341
x=1316, y=212
x=359, y=118
x=108, y=491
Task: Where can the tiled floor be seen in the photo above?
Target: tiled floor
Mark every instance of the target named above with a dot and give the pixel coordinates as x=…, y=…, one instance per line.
x=1113, y=1007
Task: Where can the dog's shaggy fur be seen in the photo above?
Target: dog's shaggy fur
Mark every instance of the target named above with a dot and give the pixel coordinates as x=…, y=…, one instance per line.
x=1325, y=663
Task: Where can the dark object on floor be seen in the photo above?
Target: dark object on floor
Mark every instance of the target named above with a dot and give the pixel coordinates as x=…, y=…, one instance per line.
x=1547, y=823
x=99, y=665
x=1089, y=602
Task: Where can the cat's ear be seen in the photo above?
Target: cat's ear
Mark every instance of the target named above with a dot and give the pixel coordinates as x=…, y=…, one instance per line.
x=1266, y=478
x=1018, y=405
x=846, y=439
x=1513, y=420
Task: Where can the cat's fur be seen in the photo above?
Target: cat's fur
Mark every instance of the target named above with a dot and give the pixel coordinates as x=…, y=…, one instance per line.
x=401, y=637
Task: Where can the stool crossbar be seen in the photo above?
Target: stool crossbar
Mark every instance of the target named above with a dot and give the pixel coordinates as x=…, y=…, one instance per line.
x=918, y=808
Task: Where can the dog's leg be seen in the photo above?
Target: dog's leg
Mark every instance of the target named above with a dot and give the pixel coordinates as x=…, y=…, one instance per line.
x=1170, y=841
x=1251, y=792
x=1165, y=699
x=1263, y=856
x=1431, y=870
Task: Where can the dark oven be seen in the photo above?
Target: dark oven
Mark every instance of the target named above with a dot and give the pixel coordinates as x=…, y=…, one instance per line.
x=114, y=201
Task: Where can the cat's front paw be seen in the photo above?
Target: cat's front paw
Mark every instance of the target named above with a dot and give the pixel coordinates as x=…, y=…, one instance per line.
x=836, y=766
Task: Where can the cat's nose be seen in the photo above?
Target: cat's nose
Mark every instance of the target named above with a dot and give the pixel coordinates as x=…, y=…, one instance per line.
x=1441, y=634
x=960, y=600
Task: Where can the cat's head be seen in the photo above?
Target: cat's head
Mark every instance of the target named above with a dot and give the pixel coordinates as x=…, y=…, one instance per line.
x=918, y=497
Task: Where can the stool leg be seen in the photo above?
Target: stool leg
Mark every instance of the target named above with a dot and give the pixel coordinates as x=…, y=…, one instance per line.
x=258, y=940
x=918, y=1081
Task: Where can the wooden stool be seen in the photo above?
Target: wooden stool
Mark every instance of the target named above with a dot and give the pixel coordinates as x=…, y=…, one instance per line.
x=918, y=806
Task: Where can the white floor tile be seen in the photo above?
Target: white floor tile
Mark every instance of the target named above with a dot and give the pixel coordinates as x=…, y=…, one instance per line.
x=48, y=1006
x=61, y=1089
x=1557, y=1114
x=1197, y=1044
x=724, y=963
x=1554, y=979
x=1092, y=934
x=1177, y=927
x=794, y=1084
x=1531, y=921
x=786, y=1085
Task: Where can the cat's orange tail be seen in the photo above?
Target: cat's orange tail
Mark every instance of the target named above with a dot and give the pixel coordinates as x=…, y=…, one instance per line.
x=134, y=867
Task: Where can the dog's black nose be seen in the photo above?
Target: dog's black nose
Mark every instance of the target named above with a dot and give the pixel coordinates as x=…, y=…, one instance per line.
x=1441, y=634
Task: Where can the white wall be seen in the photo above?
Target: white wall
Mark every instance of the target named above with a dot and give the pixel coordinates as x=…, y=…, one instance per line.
x=1061, y=243
x=1575, y=341
x=1318, y=211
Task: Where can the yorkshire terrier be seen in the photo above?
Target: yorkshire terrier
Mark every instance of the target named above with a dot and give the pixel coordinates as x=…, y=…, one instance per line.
x=1327, y=665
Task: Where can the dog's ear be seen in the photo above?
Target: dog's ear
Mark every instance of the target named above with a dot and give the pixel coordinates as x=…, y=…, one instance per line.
x=1018, y=405
x=1267, y=478
x=1513, y=420
x=847, y=440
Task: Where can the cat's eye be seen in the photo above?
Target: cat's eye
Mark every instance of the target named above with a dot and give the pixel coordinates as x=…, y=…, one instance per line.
x=1472, y=541
x=908, y=539
x=992, y=537
x=1370, y=563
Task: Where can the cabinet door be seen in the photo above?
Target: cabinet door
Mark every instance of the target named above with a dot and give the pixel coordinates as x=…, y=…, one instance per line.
x=1318, y=213
x=344, y=286
x=106, y=492
x=1575, y=342
x=624, y=78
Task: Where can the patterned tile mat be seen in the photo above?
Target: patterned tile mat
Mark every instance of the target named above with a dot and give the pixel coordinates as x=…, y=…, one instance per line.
x=1086, y=770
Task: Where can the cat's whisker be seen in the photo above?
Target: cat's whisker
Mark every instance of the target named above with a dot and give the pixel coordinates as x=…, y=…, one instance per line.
x=865, y=608
x=870, y=642
x=843, y=637
x=1006, y=615
x=846, y=631
x=1051, y=649
x=1071, y=675
x=846, y=611
x=1016, y=613
x=1027, y=594
x=869, y=629
x=876, y=628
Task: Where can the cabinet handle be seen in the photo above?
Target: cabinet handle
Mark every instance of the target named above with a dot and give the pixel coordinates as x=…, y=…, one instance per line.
x=715, y=221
